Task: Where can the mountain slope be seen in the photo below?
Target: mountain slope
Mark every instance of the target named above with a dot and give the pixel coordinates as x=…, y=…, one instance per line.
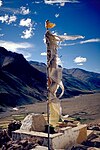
x=76, y=81
x=20, y=83
x=82, y=81
x=23, y=82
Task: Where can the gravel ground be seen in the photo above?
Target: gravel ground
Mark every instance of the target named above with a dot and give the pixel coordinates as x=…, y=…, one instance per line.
x=86, y=107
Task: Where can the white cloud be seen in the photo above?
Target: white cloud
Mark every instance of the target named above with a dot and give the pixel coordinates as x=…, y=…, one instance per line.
x=65, y=33
x=12, y=19
x=24, y=10
x=1, y=35
x=44, y=54
x=90, y=41
x=11, y=10
x=80, y=64
x=4, y=18
x=27, y=33
x=1, y=3
x=37, y=2
x=80, y=59
x=27, y=55
x=8, y=19
x=35, y=12
x=17, y=47
x=26, y=23
x=9, y=45
x=61, y=2
x=56, y=15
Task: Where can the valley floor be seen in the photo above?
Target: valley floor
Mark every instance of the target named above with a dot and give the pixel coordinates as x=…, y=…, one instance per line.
x=84, y=107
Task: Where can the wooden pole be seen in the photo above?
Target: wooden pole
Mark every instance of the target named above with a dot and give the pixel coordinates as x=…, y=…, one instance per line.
x=48, y=110
x=51, y=65
x=53, y=81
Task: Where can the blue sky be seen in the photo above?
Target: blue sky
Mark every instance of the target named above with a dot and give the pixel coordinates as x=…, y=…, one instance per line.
x=22, y=30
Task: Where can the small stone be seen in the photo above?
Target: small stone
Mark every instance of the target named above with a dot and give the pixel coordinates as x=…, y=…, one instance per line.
x=23, y=143
x=16, y=147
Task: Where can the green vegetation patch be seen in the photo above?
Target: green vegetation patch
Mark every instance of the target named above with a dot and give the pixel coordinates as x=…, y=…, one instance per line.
x=83, y=120
x=18, y=117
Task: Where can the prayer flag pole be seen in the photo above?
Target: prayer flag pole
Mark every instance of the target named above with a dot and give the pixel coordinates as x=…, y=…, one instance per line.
x=54, y=76
x=48, y=111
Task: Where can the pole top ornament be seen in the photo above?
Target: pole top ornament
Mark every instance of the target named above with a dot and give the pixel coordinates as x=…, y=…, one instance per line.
x=48, y=24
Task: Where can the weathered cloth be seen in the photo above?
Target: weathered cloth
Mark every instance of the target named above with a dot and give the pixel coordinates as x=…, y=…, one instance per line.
x=54, y=73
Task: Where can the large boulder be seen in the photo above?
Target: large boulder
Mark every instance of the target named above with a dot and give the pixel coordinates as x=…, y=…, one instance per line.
x=34, y=122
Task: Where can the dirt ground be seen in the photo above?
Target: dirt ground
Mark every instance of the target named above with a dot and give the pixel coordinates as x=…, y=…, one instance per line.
x=86, y=107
